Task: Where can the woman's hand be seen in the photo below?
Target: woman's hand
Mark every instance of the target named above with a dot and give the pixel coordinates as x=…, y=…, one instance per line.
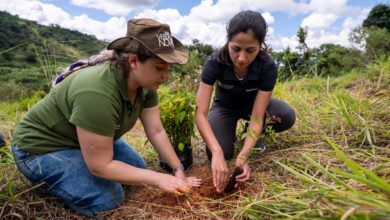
x=192, y=181
x=173, y=184
x=220, y=171
x=244, y=176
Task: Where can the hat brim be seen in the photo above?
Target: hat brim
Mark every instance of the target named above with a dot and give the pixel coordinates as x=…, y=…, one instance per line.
x=179, y=55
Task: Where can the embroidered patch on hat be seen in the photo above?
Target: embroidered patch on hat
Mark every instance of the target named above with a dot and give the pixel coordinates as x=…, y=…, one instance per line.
x=164, y=39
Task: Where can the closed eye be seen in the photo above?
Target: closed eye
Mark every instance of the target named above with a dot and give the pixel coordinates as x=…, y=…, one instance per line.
x=251, y=50
x=236, y=49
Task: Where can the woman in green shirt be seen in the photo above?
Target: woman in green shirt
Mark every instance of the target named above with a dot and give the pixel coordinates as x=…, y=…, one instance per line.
x=71, y=139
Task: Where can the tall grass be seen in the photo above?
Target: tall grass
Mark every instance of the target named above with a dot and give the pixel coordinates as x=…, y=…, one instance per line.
x=340, y=167
x=333, y=164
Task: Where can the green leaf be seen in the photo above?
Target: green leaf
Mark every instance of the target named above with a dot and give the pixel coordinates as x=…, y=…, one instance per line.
x=180, y=117
x=180, y=147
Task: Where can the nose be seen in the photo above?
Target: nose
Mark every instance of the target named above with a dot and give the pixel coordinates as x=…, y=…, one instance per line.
x=241, y=56
x=165, y=75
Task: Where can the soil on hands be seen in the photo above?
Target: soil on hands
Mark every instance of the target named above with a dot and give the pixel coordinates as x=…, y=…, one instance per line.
x=203, y=202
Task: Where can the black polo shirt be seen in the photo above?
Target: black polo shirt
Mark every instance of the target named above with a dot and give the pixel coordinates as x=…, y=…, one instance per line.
x=234, y=93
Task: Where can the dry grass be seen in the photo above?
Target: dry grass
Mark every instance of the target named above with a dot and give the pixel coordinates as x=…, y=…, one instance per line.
x=301, y=175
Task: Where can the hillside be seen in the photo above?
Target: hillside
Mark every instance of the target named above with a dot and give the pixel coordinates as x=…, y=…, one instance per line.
x=60, y=43
x=27, y=47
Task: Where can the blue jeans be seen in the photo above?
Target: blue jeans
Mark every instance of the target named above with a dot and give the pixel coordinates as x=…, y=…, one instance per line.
x=67, y=176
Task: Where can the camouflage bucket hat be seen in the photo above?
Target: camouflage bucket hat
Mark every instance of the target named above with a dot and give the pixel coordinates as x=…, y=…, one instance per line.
x=150, y=37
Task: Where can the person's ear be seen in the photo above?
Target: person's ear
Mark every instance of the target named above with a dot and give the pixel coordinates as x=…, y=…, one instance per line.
x=132, y=61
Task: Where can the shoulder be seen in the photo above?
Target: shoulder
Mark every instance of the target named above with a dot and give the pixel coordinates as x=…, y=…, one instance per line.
x=267, y=65
x=92, y=81
x=98, y=75
x=267, y=61
x=212, y=62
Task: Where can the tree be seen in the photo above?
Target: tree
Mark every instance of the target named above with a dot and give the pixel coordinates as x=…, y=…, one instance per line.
x=301, y=35
x=379, y=16
x=357, y=37
x=378, y=42
x=332, y=59
x=202, y=50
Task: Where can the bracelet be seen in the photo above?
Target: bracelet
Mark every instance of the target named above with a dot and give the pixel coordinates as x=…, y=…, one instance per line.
x=180, y=167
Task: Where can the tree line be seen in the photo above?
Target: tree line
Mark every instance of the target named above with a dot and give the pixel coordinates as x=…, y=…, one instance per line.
x=29, y=50
x=370, y=41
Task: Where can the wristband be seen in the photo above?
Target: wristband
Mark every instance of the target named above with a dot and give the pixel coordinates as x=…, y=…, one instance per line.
x=180, y=167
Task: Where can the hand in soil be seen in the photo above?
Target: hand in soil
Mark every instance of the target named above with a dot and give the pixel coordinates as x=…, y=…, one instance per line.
x=173, y=184
x=220, y=171
x=244, y=176
x=241, y=162
x=232, y=182
x=192, y=181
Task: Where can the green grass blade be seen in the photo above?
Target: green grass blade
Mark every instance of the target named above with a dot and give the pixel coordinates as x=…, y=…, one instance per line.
x=303, y=176
x=327, y=173
x=351, y=165
x=355, y=167
x=359, y=179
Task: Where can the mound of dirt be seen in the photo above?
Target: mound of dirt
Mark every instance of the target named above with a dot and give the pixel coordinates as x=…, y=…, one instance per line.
x=203, y=202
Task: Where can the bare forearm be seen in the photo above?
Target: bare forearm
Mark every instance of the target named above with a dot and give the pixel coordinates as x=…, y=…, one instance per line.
x=121, y=172
x=207, y=134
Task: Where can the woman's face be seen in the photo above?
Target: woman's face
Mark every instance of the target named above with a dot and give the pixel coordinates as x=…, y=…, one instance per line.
x=243, y=49
x=151, y=73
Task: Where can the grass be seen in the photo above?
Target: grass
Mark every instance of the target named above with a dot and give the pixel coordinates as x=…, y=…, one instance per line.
x=333, y=164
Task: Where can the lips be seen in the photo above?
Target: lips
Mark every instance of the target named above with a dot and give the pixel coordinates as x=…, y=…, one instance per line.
x=241, y=65
x=238, y=63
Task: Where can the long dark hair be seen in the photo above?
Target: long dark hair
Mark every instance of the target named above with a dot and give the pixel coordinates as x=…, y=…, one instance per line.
x=242, y=22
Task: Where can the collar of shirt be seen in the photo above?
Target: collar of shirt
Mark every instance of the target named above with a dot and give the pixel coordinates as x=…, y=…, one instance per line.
x=228, y=73
x=121, y=82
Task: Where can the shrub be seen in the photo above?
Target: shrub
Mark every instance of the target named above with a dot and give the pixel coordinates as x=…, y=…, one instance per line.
x=177, y=116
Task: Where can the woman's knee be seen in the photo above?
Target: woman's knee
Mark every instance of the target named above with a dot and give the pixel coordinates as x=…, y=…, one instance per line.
x=281, y=114
x=93, y=202
x=289, y=118
x=126, y=153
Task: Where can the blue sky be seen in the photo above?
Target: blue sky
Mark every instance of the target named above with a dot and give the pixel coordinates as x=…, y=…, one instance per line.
x=328, y=21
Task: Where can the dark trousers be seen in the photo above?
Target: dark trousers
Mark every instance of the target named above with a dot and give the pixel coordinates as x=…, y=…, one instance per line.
x=223, y=122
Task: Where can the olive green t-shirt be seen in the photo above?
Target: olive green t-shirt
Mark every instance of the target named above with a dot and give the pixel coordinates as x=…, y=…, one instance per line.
x=94, y=98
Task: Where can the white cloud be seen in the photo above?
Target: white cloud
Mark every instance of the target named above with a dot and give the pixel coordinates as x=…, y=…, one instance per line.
x=268, y=18
x=47, y=14
x=290, y=6
x=205, y=21
x=337, y=7
x=116, y=7
x=189, y=27
x=37, y=11
x=221, y=11
x=319, y=21
x=317, y=36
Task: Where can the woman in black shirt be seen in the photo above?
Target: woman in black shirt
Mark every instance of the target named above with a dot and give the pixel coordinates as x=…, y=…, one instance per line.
x=245, y=76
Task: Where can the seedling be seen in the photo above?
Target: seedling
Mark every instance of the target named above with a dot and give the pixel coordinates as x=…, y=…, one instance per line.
x=232, y=182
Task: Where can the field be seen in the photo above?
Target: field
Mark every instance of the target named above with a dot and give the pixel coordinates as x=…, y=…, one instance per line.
x=333, y=164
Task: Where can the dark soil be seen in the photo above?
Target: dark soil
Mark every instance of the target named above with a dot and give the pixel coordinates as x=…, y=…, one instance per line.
x=203, y=202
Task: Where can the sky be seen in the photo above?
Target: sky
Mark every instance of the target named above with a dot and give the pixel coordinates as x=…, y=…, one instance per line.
x=327, y=21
